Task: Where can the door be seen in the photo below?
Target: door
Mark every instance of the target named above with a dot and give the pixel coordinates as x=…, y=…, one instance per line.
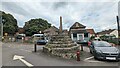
x=80, y=37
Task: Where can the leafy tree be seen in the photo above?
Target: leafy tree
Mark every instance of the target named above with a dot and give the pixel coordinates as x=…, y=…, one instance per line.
x=9, y=23
x=92, y=37
x=104, y=37
x=35, y=25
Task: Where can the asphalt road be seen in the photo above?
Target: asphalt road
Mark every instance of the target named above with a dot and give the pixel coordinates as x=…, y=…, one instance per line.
x=41, y=59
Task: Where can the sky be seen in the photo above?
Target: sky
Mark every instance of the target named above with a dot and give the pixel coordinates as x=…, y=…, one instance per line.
x=99, y=15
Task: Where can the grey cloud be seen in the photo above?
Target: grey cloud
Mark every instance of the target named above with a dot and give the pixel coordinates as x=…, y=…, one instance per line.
x=54, y=5
x=14, y=7
x=88, y=14
x=58, y=5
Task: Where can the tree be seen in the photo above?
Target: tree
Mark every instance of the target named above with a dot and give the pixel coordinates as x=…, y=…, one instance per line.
x=35, y=25
x=9, y=23
x=92, y=37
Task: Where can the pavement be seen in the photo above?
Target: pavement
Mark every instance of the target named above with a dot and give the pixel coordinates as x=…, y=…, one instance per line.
x=0, y=54
x=9, y=50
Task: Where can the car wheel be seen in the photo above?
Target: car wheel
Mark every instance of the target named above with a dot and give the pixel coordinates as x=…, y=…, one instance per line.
x=95, y=58
x=90, y=51
x=117, y=60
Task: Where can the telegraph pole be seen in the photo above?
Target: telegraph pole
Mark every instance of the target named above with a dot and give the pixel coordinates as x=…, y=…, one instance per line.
x=1, y=24
x=1, y=30
x=118, y=25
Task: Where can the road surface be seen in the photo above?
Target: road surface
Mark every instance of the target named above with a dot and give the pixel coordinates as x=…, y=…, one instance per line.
x=9, y=50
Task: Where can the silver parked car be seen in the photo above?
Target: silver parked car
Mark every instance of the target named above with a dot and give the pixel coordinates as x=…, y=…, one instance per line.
x=103, y=50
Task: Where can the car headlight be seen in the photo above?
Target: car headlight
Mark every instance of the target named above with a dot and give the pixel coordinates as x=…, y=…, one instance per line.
x=99, y=51
x=118, y=51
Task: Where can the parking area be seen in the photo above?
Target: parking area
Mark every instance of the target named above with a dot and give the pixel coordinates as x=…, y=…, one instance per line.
x=86, y=56
x=43, y=59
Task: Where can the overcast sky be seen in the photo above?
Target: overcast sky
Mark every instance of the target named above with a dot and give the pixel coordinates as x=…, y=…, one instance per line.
x=96, y=15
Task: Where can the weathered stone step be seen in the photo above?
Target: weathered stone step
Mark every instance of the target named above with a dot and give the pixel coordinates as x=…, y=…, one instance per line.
x=61, y=41
x=60, y=45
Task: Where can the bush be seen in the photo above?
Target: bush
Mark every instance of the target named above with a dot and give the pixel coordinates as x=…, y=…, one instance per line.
x=113, y=41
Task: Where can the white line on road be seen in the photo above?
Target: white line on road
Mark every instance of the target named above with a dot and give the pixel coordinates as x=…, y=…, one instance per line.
x=88, y=59
x=21, y=59
x=93, y=61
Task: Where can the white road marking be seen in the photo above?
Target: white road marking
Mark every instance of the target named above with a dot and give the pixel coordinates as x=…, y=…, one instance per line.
x=92, y=61
x=88, y=59
x=16, y=57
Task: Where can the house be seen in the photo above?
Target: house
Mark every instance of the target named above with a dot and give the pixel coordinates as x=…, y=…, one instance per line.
x=50, y=32
x=65, y=32
x=21, y=30
x=110, y=32
x=78, y=32
x=91, y=32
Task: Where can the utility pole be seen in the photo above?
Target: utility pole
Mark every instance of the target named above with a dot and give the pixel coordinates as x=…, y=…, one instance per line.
x=1, y=24
x=118, y=25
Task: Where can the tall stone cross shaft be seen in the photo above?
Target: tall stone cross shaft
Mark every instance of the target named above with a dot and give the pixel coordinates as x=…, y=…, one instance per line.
x=60, y=29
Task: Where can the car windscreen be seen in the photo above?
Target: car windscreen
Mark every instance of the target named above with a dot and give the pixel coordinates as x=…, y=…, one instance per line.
x=102, y=44
x=39, y=37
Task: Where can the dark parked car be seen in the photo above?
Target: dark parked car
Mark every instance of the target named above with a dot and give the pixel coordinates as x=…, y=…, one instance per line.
x=103, y=50
x=82, y=42
x=19, y=37
x=41, y=42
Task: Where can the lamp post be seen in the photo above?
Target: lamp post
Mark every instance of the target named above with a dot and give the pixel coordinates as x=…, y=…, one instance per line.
x=2, y=29
x=1, y=21
x=118, y=25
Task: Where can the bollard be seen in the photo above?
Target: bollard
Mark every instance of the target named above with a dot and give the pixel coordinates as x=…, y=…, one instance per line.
x=35, y=48
x=81, y=47
x=78, y=55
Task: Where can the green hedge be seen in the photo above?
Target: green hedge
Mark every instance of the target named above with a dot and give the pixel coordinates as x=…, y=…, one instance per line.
x=113, y=41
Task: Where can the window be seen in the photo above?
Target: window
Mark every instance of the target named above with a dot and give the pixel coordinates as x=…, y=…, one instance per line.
x=74, y=35
x=77, y=25
x=85, y=34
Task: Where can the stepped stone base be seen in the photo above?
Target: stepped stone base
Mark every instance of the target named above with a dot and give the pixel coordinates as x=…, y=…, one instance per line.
x=62, y=46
